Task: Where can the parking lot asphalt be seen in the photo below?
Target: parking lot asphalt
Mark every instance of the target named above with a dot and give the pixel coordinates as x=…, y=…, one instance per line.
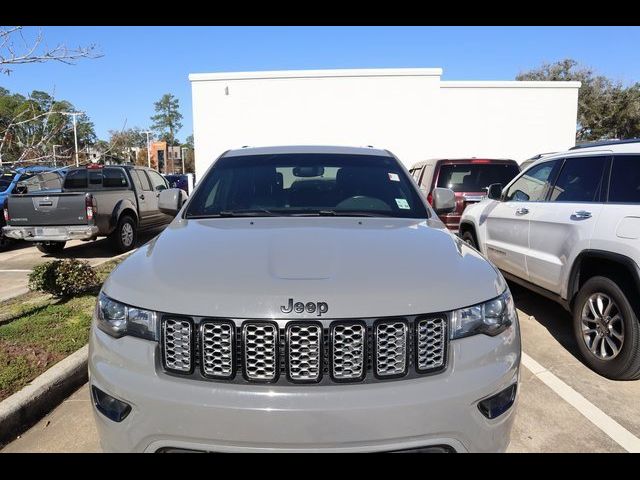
x=562, y=405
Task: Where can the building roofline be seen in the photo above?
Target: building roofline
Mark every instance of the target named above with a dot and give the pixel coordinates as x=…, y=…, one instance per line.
x=508, y=84
x=361, y=72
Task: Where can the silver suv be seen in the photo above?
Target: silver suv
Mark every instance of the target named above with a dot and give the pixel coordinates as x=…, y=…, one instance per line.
x=568, y=227
x=322, y=306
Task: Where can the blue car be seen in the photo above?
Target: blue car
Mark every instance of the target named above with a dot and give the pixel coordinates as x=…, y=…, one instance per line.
x=11, y=181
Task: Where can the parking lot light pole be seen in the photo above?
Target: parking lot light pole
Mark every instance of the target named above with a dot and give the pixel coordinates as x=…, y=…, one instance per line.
x=182, y=149
x=148, y=149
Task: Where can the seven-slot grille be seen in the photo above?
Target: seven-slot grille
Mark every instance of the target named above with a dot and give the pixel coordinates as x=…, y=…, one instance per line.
x=305, y=351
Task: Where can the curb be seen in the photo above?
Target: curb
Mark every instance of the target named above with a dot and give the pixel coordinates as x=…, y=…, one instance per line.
x=25, y=407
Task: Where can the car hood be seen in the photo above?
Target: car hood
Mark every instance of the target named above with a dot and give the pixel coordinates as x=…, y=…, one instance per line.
x=250, y=267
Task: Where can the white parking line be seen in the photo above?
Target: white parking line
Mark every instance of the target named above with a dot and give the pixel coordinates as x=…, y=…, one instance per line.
x=604, y=422
x=14, y=271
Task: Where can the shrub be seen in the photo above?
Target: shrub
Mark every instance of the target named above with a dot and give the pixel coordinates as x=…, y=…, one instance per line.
x=64, y=278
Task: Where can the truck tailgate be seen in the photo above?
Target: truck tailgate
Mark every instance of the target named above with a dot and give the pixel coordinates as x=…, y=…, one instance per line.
x=47, y=209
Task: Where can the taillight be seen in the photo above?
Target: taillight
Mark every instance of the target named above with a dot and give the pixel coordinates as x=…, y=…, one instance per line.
x=5, y=209
x=90, y=205
x=430, y=199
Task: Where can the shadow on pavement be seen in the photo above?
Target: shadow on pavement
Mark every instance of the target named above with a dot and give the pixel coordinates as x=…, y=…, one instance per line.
x=549, y=314
x=99, y=249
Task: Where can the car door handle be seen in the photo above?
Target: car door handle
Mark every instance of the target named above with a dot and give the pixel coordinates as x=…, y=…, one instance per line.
x=142, y=197
x=522, y=211
x=581, y=215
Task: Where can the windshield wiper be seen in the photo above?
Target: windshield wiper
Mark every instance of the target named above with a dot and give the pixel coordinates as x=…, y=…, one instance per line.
x=256, y=212
x=341, y=213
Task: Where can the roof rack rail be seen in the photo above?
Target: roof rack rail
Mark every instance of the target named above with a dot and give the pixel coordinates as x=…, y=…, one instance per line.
x=601, y=143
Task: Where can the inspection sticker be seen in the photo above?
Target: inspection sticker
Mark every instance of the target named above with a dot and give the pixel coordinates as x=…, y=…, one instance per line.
x=402, y=203
x=394, y=177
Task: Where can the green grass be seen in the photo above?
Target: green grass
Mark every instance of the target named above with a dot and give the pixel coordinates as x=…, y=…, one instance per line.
x=37, y=331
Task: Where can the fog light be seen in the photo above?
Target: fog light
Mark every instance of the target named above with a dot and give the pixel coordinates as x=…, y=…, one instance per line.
x=110, y=407
x=495, y=406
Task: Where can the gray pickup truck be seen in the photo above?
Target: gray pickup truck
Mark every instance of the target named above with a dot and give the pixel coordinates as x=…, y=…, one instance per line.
x=95, y=201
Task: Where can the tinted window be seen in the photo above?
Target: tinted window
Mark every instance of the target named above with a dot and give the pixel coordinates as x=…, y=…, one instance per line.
x=114, y=178
x=532, y=185
x=5, y=181
x=580, y=180
x=142, y=179
x=299, y=184
x=475, y=177
x=625, y=179
x=95, y=177
x=76, y=179
x=157, y=181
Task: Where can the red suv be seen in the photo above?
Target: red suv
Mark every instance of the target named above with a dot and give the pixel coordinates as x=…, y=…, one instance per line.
x=468, y=178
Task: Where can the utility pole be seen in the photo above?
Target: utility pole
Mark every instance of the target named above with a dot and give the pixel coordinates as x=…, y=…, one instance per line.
x=75, y=135
x=148, y=149
x=55, y=164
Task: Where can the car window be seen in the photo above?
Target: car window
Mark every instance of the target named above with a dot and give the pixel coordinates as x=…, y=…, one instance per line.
x=95, y=177
x=475, y=177
x=142, y=180
x=624, y=186
x=157, y=181
x=579, y=180
x=114, y=178
x=532, y=185
x=76, y=179
x=308, y=184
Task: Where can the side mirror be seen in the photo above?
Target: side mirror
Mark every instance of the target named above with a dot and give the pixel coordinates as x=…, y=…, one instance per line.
x=494, y=191
x=171, y=200
x=444, y=200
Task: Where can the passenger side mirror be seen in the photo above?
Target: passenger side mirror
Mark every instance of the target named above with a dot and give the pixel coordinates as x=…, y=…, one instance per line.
x=171, y=200
x=494, y=191
x=444, y=200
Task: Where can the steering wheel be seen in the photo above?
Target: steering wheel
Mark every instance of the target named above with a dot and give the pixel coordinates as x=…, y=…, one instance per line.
x=361, y=202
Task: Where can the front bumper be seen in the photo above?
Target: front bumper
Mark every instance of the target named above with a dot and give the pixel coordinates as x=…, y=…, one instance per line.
x=172, y=412
x=52, y=234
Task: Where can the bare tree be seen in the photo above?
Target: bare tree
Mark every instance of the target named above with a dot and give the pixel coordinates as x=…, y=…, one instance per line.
x=16, y=49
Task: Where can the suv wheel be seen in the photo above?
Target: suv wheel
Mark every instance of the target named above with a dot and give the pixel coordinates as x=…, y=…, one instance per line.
x=4, y=242
x=470, y=239
x=124, y=236
x=607, y=330
x=51, y=248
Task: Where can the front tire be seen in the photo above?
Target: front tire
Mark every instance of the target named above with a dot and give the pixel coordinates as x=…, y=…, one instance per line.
x=51, y=248
x=469, y=238
x=606, y=329
x=125, y=235
x=5, y=242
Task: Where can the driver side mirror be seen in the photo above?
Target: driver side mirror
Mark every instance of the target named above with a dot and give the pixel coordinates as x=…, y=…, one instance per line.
x=171, y=200
x=444, y=200
x=494, y=191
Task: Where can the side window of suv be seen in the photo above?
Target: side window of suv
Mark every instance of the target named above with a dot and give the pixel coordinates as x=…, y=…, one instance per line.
x=580, y=180
x=625, y=179
x=532, y=185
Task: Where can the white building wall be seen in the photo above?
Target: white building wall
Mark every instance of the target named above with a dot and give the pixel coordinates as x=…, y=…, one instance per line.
x=408, y=111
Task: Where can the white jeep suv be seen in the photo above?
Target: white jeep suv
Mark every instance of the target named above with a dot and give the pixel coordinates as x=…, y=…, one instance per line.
x=568, y=227
x=319, y=305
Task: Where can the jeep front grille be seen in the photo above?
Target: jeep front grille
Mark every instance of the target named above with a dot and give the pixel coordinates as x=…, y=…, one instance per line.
x=319, y=352
x=430, y=343
x=217, y=339
x=348, y=360
x=391, y=348
x=304, y=352
x=177, y=341
x=260, y=351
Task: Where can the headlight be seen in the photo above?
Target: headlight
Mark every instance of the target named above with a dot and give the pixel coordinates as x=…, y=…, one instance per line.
x=491, y=318
x=118, y=319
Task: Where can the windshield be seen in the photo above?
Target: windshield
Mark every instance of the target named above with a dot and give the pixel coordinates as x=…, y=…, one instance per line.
x=475, y=177
x=306, y=184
